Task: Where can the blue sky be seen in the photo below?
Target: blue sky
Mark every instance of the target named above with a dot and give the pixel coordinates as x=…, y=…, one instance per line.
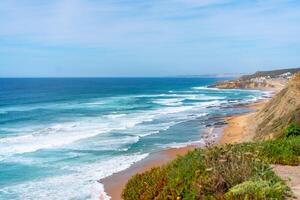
x=147, y=37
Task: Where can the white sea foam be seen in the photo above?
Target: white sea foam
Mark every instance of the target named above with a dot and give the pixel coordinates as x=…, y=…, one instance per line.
x=224, y=90
x=204, y=97
x=204, y=88
x=66, y=133
x=60, y=105
x=169, y=102
x=210, y=103
x=80, y=183
x=96, y=103
x=31, y=107
x=181, y=97
x=115, y=116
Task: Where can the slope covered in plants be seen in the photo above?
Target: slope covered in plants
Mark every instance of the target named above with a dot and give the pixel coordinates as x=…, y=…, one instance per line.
x=239, y=171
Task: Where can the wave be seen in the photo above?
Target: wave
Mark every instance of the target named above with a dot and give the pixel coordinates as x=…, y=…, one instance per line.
x=204, y=88
x=224, y=90
x=80, y=183
x=66, y=133
x=62, y=105
x=178, y=99
x=204, y=97
x=63, y=134
x=95, y=103
x=169, y=102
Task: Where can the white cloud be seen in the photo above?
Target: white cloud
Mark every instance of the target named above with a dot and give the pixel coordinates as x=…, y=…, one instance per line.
x=123, y=23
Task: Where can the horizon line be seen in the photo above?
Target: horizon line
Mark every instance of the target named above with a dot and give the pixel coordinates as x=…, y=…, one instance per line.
x=174, y=76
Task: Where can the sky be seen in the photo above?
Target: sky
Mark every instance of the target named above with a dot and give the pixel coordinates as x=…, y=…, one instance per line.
x=79, y=38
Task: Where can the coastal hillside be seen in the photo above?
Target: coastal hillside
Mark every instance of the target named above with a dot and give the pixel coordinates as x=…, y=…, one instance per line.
x=237, y=171
x=281, y=110
x=259, y=80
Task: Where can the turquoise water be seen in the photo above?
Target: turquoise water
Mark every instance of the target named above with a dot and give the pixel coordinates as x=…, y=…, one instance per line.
x=59, y=136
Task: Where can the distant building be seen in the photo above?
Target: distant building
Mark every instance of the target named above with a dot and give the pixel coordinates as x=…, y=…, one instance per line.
x=286, y=75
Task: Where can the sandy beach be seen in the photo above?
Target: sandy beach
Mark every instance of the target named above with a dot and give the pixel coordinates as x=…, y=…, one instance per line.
x=241, y=128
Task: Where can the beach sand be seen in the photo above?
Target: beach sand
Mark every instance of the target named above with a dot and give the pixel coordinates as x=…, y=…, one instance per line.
x=240, y=128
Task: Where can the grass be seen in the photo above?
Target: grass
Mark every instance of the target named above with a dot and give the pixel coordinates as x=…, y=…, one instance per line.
x=284, y=151
x=236, y=171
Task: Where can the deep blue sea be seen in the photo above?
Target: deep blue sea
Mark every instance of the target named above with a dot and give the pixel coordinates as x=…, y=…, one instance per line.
x=58, y=136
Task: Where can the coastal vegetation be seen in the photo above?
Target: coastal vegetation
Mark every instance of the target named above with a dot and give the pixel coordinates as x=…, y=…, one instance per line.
x=233, y=171
x=292, y=130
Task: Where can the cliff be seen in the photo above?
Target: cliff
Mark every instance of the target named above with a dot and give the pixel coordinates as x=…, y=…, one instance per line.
x=280, y=111
x=244, y=84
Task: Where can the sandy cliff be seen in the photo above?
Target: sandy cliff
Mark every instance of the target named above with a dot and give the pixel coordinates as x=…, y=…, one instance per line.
x=281, y=110
x=245, y=84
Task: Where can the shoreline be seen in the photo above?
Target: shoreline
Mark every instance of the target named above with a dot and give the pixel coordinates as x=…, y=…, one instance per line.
x=237, y=129
x=240, y=128
x=114, y=184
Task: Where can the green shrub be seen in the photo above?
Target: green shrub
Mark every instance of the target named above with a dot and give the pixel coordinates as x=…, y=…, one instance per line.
x=292, y=130
x=284, y=151
x=182, y=174
x=281, y=151
x=218, y=173
x=257, y=190
x=145, y=186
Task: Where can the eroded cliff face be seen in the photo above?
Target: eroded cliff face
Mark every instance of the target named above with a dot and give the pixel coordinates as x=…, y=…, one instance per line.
x=281, y=110
x=244, y=84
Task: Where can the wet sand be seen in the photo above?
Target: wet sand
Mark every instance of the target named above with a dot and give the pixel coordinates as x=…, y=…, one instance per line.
x=241, y=128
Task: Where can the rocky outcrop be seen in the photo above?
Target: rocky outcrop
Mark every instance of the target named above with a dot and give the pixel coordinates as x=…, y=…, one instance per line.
x=281, y=110
x=244, y=84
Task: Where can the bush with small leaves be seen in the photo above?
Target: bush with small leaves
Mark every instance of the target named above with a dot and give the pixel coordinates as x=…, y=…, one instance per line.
x=292, y=130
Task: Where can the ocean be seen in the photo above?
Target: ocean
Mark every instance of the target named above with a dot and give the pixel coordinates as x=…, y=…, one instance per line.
x=59, y=136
